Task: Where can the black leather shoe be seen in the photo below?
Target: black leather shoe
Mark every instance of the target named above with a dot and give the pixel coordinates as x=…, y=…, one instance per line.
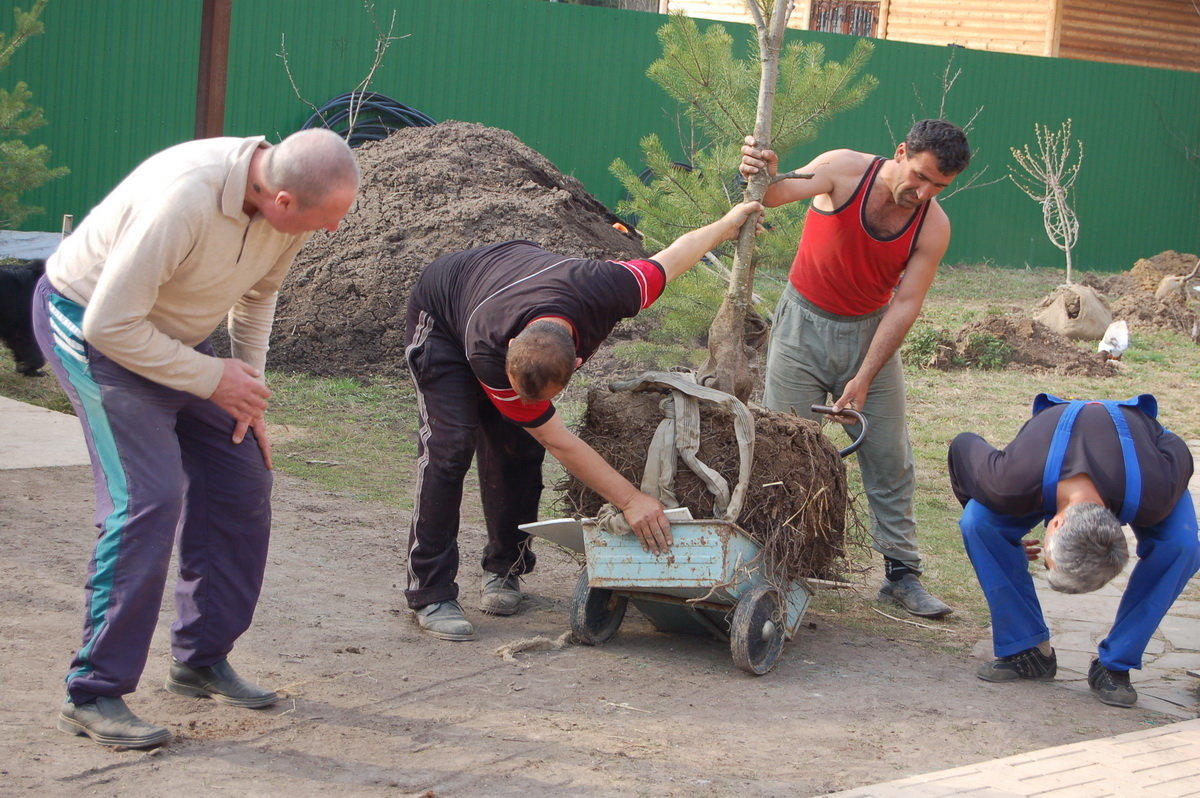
x=218, y=682
x=109, y=722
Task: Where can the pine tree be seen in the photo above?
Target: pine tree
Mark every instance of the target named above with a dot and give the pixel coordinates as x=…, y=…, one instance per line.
x=718, y=94
x=22, y=168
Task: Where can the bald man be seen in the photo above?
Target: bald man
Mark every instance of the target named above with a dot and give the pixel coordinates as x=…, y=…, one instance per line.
x=198, y=234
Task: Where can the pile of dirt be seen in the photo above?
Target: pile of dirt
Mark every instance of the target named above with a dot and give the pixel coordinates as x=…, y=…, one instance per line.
x=426, y=192
x=1028, y=345
x=1144, y=312
x=1131, y=294
x=797, y=500
x=1147, y=273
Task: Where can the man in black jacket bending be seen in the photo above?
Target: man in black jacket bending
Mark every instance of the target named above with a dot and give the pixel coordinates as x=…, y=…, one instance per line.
x=493, y=335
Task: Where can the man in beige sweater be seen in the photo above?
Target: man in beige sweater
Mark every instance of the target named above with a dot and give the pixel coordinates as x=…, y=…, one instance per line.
x=199, y=233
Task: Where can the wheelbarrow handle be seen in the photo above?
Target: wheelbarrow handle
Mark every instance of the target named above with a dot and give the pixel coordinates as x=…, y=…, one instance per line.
x=858, y=417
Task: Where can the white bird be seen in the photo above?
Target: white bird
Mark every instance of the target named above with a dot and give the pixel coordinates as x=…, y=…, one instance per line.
x=1115, y=340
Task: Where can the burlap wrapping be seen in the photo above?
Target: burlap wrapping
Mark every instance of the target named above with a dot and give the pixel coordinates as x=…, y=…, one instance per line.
x=1077, y=312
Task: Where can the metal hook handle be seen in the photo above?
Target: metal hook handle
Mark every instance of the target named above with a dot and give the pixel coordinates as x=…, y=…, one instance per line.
x=845, y=411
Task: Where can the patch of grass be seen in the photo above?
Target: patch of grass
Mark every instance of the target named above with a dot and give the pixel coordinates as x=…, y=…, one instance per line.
x=348, y=436
x=649, y=355
x=40, y=391
x=922, y=344
x=1142, y=356
x=353, y=437
x=986, y=351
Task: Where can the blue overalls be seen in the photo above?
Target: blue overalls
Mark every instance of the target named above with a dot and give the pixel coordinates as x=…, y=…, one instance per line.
x=1168, y=552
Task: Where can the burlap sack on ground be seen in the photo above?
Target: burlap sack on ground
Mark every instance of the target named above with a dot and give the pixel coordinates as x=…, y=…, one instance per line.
x=1077, y=312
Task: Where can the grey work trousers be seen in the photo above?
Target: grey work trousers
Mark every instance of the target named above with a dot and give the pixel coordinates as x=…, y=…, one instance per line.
x=811, y=356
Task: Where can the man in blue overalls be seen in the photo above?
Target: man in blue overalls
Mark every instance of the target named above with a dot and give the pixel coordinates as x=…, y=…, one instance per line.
x=1084, y=468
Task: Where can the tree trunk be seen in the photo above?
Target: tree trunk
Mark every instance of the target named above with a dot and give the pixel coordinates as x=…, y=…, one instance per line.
x=738, y=333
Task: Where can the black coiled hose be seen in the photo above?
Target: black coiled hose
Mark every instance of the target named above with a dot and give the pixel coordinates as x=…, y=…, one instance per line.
x=377, y=117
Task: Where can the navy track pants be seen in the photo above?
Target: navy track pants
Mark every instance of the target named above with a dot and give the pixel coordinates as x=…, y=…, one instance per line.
x=457, y=423
x=165, y=469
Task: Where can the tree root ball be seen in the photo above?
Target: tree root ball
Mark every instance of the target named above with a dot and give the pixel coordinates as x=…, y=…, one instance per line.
x=797, y=500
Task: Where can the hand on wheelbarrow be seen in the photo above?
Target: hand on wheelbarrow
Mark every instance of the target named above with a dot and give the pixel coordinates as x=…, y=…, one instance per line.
x=644, y=514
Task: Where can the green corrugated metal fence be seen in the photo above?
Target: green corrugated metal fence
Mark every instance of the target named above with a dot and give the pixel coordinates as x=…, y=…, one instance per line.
x=117, y=81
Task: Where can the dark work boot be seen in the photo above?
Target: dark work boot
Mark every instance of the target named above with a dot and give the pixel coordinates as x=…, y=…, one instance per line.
x=1028, y=664
x=109, y=722
x=1111, y=687
x=220, y=683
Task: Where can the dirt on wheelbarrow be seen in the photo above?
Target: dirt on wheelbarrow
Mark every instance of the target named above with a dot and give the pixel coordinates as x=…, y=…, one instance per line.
x=373, y=707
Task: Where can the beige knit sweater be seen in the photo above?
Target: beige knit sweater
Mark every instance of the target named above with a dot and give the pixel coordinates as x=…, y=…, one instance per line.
x=167, y=255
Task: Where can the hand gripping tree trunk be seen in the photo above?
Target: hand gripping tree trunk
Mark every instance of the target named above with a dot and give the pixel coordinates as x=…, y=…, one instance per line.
x=738, y=333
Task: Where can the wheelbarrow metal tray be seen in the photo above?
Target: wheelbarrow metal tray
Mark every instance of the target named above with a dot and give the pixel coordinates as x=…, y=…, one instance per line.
x=704, y=554
x=710, y=561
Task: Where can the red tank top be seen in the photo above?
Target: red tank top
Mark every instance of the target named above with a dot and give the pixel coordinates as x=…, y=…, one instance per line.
x=841, y=267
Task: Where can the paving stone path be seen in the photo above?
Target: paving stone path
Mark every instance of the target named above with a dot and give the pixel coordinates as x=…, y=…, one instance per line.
x=1163, y=761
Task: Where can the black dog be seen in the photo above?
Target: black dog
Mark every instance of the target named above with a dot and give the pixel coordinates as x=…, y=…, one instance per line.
x=17, y=282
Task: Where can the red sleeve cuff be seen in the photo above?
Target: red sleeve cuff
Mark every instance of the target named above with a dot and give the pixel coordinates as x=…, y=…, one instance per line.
x=651, y=278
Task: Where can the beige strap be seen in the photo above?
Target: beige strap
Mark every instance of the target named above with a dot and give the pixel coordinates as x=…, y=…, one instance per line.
x=679, y=434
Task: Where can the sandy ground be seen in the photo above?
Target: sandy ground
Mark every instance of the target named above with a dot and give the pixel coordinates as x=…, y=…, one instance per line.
x=375, y=708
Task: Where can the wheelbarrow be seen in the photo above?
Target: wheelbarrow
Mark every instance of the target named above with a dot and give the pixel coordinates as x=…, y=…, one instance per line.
x=711, y=582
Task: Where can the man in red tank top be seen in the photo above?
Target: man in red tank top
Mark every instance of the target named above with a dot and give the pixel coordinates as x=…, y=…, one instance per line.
x=872, y=242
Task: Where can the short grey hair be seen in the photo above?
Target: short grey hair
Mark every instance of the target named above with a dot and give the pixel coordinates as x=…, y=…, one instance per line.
x=310, y=163
x=1088, y=550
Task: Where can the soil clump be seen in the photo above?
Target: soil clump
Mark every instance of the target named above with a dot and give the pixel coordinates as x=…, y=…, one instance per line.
x=1131, y=294
x=426, y=192
x=1028, y=345
x=797, y=499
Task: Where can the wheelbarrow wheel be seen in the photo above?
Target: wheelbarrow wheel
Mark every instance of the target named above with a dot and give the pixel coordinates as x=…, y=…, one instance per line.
x=756, y=630
x=596, y=612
